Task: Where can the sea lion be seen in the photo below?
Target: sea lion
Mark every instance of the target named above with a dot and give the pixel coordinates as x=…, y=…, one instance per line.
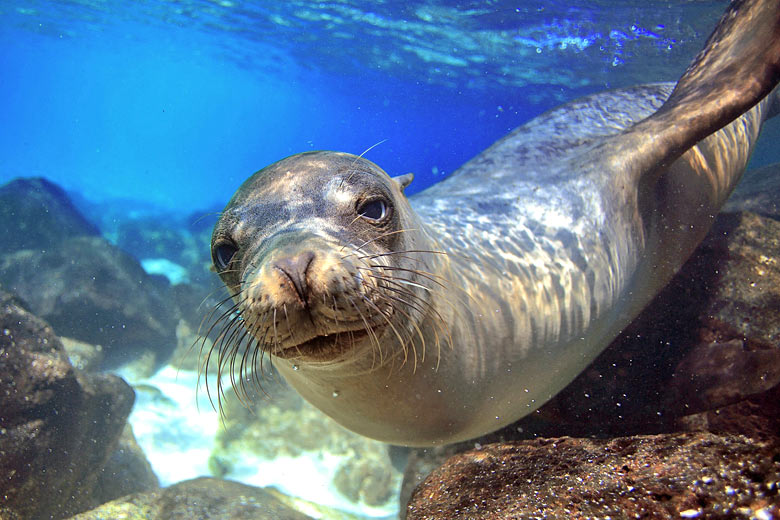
x=448, y=315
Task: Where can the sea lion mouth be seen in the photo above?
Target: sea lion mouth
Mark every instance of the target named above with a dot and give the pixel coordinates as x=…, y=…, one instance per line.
x=327, y=346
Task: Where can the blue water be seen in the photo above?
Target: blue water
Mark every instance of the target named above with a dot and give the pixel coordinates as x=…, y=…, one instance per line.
x=175, y=103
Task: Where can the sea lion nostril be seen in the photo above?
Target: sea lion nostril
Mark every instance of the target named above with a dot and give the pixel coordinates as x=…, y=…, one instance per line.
x=295, y=269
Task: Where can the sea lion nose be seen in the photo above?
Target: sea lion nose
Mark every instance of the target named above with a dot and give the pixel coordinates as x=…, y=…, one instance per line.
x=295, y=269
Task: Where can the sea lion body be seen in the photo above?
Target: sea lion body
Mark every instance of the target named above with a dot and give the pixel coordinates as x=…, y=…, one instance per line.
x=458, y=311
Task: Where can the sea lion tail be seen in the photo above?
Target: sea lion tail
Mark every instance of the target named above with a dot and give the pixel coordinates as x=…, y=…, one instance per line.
x=738, y=67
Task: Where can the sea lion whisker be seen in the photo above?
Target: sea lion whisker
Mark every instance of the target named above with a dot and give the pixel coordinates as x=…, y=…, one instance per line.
x=400, y=289
x=225, y=345
x=397, y=286
x=358, y=217
x=414, y=325
x=236, y=376
x=217, y=214
x=400, y=280
x=387, y=319
x=404, y=251
x=289, y=329
x=379, y=237
x=225, y=313
x=276, y=342
x=240, y=390
x=250, y=359
x=416, y=260
x=203, y=367
x=426, y=274
x=210, y=316
x=369, y=331
x=335, y=311
x=352, y=168
x=233, y=323
x=231, y=316
x=258, y=369
x=440, y=281
x=249, y=356
x=403, y=345
x=227, y=357
x=218, y=304
x=439, y=320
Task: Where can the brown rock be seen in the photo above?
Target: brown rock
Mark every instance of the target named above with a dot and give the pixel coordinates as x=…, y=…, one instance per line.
x=201, y=499
x=58, y=426
x=688, y=475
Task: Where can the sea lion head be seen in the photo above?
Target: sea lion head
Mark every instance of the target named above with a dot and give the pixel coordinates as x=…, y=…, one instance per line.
x=317, y=250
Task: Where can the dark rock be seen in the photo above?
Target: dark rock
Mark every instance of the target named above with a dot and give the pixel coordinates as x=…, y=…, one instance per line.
x=745, y=251
x=89, y=290
x=127, y=471
x=759, y=192
x=37, y=215
x=688, y=475
x=757, y=417
x=718, y=374
x=58, y=426
x=202, y=499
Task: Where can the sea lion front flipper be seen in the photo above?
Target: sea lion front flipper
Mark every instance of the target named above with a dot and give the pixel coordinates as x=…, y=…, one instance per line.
x=739, y=66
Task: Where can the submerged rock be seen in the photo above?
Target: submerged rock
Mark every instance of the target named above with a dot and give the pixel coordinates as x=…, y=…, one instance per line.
x=91, y=291
x=82, y=355
x=686, y=475
x=58, y=426
x=202, y=499
x=758, y=192
x=127, y=471
x=37, y=215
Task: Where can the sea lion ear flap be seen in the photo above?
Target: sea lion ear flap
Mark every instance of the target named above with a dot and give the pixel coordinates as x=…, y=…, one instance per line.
x=403, y=180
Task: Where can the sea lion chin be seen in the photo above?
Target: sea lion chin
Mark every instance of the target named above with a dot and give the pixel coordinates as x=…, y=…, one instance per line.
x=454, y=315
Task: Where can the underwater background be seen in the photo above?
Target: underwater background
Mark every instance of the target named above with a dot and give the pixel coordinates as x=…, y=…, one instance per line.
x=174, y=103
x=150, y=114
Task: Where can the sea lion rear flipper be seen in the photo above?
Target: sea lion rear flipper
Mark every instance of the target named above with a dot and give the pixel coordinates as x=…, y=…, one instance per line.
x=739, y=66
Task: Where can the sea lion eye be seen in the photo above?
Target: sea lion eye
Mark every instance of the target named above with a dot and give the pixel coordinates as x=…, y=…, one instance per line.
x=374, y=209
x=222, y=254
